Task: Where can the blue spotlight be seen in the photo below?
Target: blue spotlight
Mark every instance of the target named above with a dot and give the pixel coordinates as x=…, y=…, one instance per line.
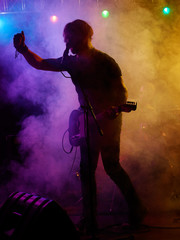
x=6, y=27
x=1, y=23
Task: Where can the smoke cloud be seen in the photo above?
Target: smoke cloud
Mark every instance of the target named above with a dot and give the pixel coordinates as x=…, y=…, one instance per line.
x=147, y=50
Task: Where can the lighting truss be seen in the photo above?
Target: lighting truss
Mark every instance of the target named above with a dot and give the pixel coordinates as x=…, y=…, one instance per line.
x=36, y=5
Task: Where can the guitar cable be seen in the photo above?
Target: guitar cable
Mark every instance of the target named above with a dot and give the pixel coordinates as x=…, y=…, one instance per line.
x=70, y=151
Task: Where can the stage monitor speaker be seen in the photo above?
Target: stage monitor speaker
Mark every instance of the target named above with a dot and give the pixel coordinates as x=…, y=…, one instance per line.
x=26, y=216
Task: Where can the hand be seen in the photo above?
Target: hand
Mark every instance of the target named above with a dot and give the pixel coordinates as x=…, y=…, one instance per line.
x=19, y=42
x=112, y=112
x=126, y=108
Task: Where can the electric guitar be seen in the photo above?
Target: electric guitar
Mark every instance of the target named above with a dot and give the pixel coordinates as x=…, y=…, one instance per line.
x=77, y=120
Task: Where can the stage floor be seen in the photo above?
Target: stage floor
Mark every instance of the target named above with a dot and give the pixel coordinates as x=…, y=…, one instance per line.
x=165, y=226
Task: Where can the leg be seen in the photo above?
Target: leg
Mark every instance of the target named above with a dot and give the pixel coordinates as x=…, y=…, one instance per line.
x=110, y=157
x=88, y=185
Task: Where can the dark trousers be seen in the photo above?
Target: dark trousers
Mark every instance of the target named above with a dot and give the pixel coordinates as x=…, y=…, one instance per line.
x=109, y=147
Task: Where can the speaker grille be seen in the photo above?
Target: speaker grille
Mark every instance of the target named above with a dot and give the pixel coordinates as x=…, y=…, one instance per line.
x=25, y=216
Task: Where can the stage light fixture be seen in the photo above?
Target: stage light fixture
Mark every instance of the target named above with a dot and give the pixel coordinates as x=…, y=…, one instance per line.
x=54, y=18
x=166, y=10
x=105, y=13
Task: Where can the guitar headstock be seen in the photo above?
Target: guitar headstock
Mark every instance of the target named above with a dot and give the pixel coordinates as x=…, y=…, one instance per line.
x=128, y=106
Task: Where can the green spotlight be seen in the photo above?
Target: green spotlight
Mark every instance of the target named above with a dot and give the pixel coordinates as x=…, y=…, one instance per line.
x=105, y=13
x=166, y=10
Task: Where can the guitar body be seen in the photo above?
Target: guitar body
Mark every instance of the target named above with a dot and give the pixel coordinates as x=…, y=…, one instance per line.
x=76, y=128
x=77, y=121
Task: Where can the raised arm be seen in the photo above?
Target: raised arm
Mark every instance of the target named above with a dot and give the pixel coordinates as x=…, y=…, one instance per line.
x=33, y=59
x=42, y=64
